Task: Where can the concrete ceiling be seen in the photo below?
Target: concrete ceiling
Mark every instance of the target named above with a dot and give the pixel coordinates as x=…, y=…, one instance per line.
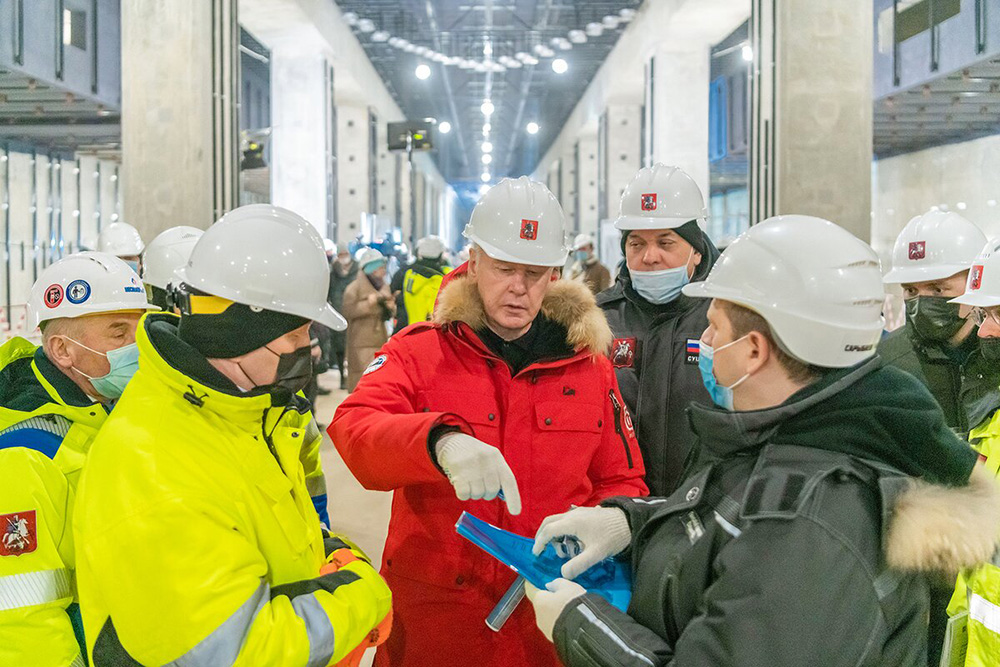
x=470, y=30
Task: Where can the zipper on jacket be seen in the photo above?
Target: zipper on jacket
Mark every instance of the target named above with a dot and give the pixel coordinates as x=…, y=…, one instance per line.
x=617, y=409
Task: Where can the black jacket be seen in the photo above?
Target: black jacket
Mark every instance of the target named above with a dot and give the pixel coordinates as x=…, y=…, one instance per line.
x=966, y=386
x=802, y=537
x=657, y=374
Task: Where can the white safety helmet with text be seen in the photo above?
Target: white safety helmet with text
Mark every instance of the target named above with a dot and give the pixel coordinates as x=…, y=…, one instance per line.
x=818, y=287
x=169, y=251
x=520, y=221
x=121, y=240
x=982, y=288
x=86, y=283
x=660, y=197
x=266, y=257
x=933, y=246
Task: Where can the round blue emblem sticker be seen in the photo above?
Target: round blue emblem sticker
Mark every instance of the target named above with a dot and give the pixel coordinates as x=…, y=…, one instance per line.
x=78, y=291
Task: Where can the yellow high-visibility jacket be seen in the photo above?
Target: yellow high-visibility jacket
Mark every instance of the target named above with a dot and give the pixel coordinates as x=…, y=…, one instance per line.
x=37, y=600
x=976, y=602
x=196, y=538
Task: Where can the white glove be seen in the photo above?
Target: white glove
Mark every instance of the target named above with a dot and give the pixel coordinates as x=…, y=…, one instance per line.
x=477, y=470
x=549, y=604
x=602, y=531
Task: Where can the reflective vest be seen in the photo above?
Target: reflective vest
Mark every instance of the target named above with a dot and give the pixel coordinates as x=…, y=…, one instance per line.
x=420, y=292
x=39, y=618
x=973, y=638
x=196, y=539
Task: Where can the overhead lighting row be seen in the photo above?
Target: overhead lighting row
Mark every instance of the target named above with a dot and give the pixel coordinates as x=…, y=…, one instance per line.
x=502, y=63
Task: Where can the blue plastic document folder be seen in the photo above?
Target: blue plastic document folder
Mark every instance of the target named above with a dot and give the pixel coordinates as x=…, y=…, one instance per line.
x=610, y=579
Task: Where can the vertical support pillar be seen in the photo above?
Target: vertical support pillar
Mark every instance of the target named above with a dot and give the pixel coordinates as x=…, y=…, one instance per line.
x=680, y=119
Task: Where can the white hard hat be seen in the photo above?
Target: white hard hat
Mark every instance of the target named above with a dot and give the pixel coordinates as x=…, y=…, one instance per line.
x=369, y=255
x=268, y=257
x=169, y=251
x=430, y=247
x=86, y=283
x=818, y=286
x=520, y=221
x=121, y=240
x=934, y=245
x=660, y=197
x=982, y=288
x=582, y=241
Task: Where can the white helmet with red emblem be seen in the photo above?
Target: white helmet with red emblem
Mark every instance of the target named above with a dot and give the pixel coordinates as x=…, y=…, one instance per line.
x=983, y=285
x=660, y=197
x=933, y=246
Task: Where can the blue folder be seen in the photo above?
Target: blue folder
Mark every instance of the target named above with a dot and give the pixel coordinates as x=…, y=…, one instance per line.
x=611, y=579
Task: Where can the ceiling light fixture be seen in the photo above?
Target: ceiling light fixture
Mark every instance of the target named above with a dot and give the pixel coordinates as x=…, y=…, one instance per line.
x=380, y=36
x=487, y=147
x=594, y=29
x=577, y=36
x=444, y=127
x=487, y=127
x=747, y=52
x=559, y=66
x=532, y=128
x=487, y=108
x=485, y=178
x=423, y=72
x=366, y=25
x=487, y=158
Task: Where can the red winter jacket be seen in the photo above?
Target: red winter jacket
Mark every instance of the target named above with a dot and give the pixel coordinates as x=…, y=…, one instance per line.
x=561, y=425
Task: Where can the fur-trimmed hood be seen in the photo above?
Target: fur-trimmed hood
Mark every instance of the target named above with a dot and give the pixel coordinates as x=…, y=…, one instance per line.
x=568, y=303
x=937, y=528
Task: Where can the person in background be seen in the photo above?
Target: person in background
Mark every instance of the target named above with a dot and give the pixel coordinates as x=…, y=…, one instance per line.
x=973, y=609
x=656, y=328
x=586, y=268
x=53, y=400
x=124, y=242
x=416, y=286
x=167, y=253
x=509, y=389
x=938, y=345
x=368, y=306
x=197, y=543
x=824, y=486
x=343, y=271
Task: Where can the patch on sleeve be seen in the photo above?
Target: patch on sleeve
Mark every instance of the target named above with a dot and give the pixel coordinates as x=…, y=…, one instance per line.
x=692, y=351
x=623, y=352
x=20, y=534
x=377, y=363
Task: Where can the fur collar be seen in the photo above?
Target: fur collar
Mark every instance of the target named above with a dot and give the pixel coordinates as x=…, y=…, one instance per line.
x=943, y=528
x=569, y=303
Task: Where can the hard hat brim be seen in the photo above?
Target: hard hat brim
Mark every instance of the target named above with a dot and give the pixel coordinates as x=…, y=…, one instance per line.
x=923, y=274
x=981, y=300
x=633, y=222
x=502, y=256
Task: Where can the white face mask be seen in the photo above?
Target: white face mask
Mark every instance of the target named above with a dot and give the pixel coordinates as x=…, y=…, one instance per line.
x=664, y=286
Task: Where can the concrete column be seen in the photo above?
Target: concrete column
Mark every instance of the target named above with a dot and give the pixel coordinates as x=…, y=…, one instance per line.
x=300, y=95
x=352, y=167
x=622, y=153
x=811, y=111
x=588, y=193
x=387, y=185
x=179, y=99
x=567, y=194
x=680, y=103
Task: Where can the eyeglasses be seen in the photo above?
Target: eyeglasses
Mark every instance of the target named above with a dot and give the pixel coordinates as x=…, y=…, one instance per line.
x=979, y=315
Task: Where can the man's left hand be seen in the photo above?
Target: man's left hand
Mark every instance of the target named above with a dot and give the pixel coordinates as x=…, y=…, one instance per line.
x=549, y=604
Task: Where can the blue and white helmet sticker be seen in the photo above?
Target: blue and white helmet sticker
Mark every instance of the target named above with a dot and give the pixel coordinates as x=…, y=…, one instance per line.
x=134, y=287
x=78, y=291
x=377, y=363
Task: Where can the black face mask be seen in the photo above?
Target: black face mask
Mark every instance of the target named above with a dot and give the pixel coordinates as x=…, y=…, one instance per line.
x=932, y=319
x=295, y=369
x=990, y=349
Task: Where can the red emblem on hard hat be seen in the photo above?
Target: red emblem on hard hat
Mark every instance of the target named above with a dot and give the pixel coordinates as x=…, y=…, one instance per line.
x=918, y=249
x=529, y=230
x=19, y=533
x=976, y=277
x=623, y=352
x=648, y=201
x=53, y=295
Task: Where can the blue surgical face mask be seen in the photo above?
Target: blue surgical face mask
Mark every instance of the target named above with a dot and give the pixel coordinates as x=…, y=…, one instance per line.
x=581, y=255
x=661, y=287
x=124, y=363
x=721, y=396
x=133, y=264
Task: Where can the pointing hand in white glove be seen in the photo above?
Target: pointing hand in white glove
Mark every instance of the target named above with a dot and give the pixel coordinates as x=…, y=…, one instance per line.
x=477, y=471
x=602, y=531
x=549, y=604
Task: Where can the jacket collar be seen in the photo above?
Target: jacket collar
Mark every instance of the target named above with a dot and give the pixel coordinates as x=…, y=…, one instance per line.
x=187, y=372
x=567, y=303
x=61, y=388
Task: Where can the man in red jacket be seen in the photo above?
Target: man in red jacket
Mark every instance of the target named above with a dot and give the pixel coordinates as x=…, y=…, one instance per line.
x=509, y=389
